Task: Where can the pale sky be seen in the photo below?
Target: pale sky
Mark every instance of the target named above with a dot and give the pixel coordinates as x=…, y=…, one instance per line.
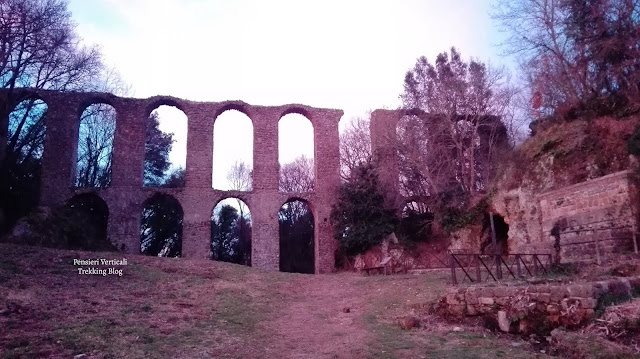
x=349, y=55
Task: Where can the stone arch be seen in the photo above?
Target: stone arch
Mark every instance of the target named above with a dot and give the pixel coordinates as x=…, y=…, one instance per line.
x=92, y=212
x=502, y=234
x=93, y=99
x=297, y=236
x=231, y=231
x=238, y=106
x=296, y=109
x=409, y=149
x=161, y=226
x=23, y=150
x=29, y=111
x=354, y=142
x=232, y=155
x=171, y=119
x=296, y=152
x=158, y=101
x=416, y=221
x=94, y=150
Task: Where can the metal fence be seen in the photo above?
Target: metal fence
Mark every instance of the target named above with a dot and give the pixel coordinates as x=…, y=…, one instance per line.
x=482, y=267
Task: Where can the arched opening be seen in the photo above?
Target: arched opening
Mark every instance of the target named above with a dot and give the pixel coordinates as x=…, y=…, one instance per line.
x=89, y=215
x=232, y=152
x=95, y=146
x=416, y=223
x=296, y=237
x=414, y=157
x=21, y=167
x=161, y=226
x=295, y=153
x=231, y=232
x=502, y=235
x=355, y=144
x=165, y=149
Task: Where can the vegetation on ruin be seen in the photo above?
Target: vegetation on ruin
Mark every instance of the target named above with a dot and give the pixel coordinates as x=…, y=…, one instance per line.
x=79, y=224
x=359, y=216
x=231, y=235
x=453, y=218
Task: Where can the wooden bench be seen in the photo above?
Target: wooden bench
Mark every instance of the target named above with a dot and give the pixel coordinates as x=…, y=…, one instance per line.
x=381, y=268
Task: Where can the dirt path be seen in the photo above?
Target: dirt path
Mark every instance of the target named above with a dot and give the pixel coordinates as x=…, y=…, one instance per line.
x=322, y=319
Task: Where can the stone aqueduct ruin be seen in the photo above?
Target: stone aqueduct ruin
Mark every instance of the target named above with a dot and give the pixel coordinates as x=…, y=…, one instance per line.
x=126, y=194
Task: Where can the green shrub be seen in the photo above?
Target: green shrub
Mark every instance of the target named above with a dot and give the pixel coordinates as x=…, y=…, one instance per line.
x=359, y=216
x=453, y=218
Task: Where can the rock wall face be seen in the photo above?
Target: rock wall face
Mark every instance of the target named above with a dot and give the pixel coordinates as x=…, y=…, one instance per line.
x=600, y=212
x=126, y=194
x=520, y=208
x=598, y=215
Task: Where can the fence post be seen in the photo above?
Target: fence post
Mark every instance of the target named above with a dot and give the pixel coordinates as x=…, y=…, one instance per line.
x=535, y=265
x=453, y=269
x=495, y=247
x=518, y=266
x=478, y=275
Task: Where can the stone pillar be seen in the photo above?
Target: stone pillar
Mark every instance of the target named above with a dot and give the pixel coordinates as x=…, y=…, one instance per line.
x=125, y=211
x=124, y=195
x=199, y=145
x=128, y=145
x=327, y=175
x=265, y=246
x=265, y=149
x=60, y=150
x=196, y=224
x=197, y=207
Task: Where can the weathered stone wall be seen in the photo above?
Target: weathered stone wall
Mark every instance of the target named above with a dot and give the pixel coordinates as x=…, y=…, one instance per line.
x=598, y=212
x=125, y=195
x=520, y=209
x=526, y=308
x=602, y=209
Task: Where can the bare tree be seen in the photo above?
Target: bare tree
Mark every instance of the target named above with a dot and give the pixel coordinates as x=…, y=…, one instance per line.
x=575, y=53
x=39, y=48
x=355, y=146
x=240, y=177
x=297, y=176
x=451, y=151
x=95, y=146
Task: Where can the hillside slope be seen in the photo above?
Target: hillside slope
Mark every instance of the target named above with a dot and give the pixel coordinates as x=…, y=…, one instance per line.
x=177, y=308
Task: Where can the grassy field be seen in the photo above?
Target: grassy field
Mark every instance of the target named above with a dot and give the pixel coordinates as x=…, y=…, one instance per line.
x=177, y=308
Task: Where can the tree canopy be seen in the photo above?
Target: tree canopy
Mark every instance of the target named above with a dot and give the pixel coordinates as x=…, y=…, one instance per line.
x=359, y=216
x=39, y=49
x=452, y=151
x=577, y=57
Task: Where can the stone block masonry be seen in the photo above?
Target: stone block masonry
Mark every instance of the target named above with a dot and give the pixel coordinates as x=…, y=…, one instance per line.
x=126, y=194
x=593, y=217
x=531, y=308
